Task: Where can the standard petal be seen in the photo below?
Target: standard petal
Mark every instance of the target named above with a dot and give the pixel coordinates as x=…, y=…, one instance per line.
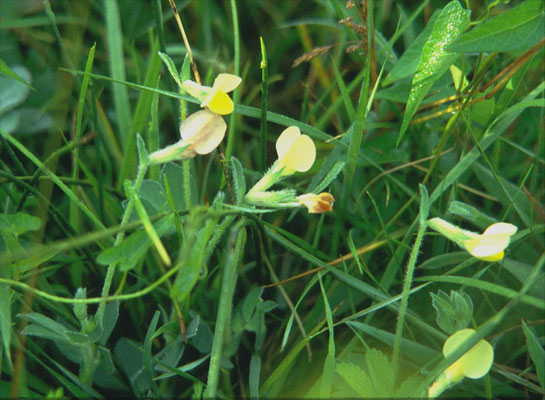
x=218, y=102
x=501, y=228
x=286, y=140
x=204, y=130
x=226, y=82
x=301, y=155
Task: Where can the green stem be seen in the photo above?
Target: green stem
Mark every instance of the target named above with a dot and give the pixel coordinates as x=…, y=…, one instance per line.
x=264, y=105
x=187, y=183
x=424, y=209
x=93, y=300
x=234, y=255
x=142, y=168
x=236, y=93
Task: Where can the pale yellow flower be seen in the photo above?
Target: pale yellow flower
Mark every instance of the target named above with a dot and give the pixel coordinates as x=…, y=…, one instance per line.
x=317, y=203
x=296, y=152
x=489, y=246
x=474, y=364
x=215, y=98
x=200, y=133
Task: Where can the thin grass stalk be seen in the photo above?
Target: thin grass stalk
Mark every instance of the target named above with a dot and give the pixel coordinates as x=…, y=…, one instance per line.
x=237, y=238
x=142, y=168
x=236, y=93
x=264, y=106
x=424, y=209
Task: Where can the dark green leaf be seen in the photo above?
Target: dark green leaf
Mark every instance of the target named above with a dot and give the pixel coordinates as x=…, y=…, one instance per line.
x=516, y=29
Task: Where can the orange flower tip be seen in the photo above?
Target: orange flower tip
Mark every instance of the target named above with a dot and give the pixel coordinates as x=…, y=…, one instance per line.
x=317, y=203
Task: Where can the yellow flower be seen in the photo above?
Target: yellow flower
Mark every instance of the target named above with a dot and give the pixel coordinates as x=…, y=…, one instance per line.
x=474, y=364
x=215, y=97
x=201, y=133
x=296, y=152
x=317, y=203
x=490, y=245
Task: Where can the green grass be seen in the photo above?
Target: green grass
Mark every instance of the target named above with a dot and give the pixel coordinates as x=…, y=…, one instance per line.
x=120, y=277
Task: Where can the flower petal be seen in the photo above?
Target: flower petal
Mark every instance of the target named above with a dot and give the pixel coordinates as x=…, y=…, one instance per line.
x=226, y=82
x=476, y=362
x=286, y=140
x=195, y=90
x=485, y=246
x=204, y=130
x=218, y=102
x=501, y=228
x=301, y=155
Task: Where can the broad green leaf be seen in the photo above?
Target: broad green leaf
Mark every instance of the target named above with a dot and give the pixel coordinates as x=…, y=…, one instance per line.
x=356, y=378
x=19, y=223
x=129, y=356
x=239, y=181
x=408, y=62
x=106, y=374
x=111, y=313
x=153, y=196
x=536, y=352
x=435, y=59
x=516, y=29
x=175, y=177
x=200, y=335
x=381, y=372
x=133, y=248
x=454, y=312
x=170, y=354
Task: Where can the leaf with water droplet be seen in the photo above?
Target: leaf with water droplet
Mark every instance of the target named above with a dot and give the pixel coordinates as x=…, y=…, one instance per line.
x=516, y=29
x=435, y=60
